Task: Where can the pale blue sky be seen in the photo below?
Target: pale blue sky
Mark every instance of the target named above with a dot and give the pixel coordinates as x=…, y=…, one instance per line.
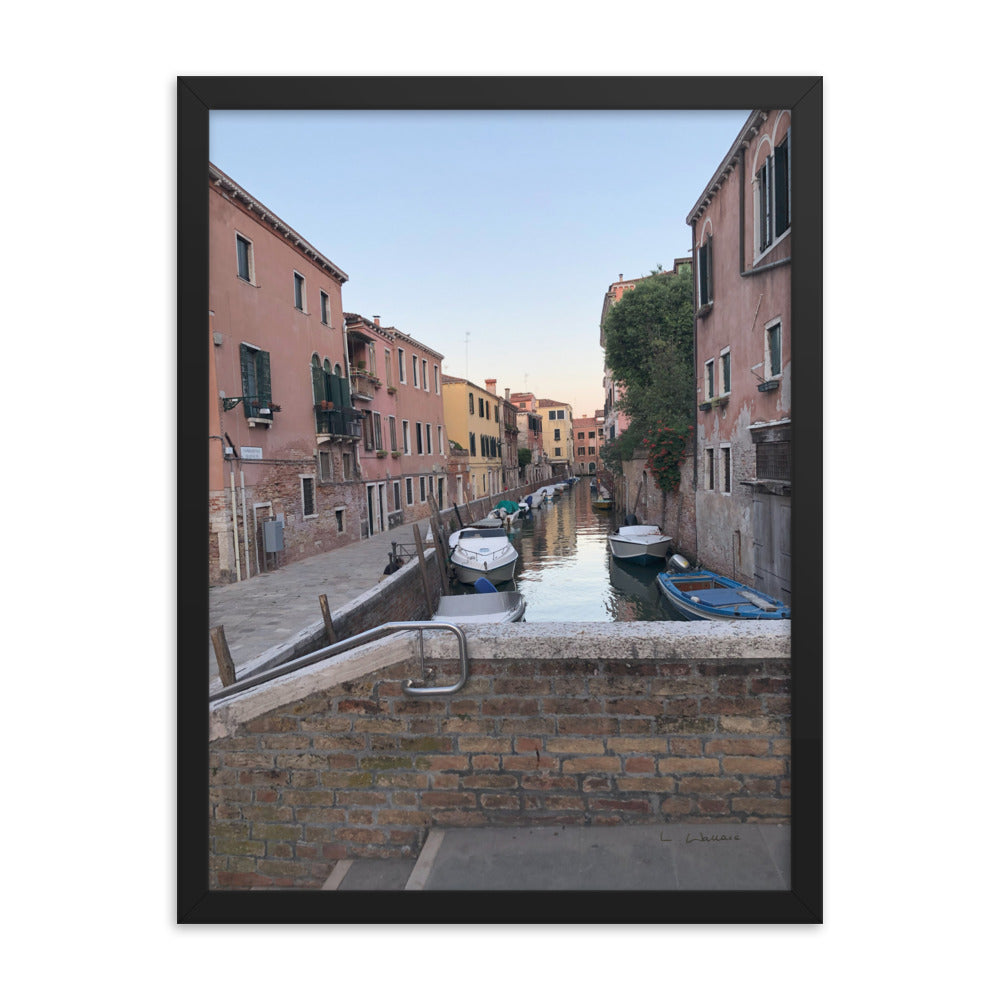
x=506, y=225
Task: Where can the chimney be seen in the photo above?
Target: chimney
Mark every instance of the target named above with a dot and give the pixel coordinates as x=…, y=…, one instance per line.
x=377, y=318
x=620, y=276
x=491, y=385
x=506, y=394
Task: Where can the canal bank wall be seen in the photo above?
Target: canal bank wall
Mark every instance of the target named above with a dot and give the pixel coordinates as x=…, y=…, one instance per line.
x=636, y=492
x=603, y=724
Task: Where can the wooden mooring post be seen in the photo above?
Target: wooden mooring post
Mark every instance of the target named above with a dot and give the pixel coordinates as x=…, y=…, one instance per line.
x=324, y=606
x=423, y=568
x=227, y=669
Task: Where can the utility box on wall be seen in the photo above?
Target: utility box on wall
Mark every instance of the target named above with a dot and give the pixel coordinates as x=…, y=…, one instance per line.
x=274, y=536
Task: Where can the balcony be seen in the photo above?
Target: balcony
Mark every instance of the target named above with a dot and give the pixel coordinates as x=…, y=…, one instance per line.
x=363, y=383
x=338, y=421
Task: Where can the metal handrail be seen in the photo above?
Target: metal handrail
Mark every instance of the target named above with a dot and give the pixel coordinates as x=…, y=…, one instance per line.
x=361, y=639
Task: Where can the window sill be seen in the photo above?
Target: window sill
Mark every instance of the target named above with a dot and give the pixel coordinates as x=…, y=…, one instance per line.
x=264, y=422
x=704, y=310
x=769, y=386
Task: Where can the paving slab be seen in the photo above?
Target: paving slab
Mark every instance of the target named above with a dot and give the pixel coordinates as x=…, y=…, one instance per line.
x=655, y=858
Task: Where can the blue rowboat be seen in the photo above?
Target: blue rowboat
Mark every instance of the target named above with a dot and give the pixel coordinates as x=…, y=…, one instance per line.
x=700, y=595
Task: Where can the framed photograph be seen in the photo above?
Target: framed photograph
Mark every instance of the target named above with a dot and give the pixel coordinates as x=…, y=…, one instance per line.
x=672, y=751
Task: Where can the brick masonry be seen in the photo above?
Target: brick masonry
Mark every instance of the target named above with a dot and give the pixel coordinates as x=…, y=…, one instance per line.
x=358, y=769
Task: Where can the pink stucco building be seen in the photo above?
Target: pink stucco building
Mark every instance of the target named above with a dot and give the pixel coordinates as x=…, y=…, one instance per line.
x=742, y=234
x=280, y=486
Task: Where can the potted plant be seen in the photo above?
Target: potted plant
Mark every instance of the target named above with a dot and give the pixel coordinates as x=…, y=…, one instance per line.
x=391, y=390
x=381, y=454
x=396, y=454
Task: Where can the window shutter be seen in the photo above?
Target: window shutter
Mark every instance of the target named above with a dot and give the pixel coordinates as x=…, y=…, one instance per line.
x=781, y=191
x=248, y=373
x=263, y=378
x=319, y=383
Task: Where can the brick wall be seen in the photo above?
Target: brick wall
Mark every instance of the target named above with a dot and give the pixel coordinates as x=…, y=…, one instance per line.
x=553, y=726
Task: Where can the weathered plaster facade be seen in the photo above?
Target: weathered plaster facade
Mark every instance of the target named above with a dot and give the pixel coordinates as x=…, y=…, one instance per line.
x=741, y=231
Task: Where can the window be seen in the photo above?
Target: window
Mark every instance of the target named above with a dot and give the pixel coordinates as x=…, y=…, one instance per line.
x=437, y=383
x=420, y=441
x=395, y=496
x=705, y=273
x=308, y=495
x=591, y=451
x=392, y=434
x=773, y=200
x=472, y=444
x=580, y=435
x=581, y=451
x=423, y=372
x=562, y=414
x=300, y=291
x=590, y=434
x=255, y=371
x=325, y=466
x=423, y=489
x=558, y=452
x=552, y=414
x=440, y=439
x=709, y=380
x=324, y=308
x=427, y=434
x=368, y=430
x=725, y=454
x=472, y=405
x=416, y=383
x=388, y=368
x=557, y=434
x=409, y=491
x=402, y=367
x=244, y=258
x=772, y=349
x=347, y=466
x=709, y=469
x=406, y=437
x=377, y=420
x=480, y=406
x=340, y=519
x=726, y=373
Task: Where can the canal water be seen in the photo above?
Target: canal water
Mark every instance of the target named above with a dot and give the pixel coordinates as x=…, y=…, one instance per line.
x=566, y=571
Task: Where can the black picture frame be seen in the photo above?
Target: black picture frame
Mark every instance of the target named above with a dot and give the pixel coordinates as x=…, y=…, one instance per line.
x=196, y=98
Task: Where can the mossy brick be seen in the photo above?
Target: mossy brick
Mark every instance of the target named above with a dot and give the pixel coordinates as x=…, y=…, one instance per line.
x=633, y=706
x=571, y=706
x=478, y=779
x=277, y=831
x=676, y=724
x=704, y=785
x=747, y=724
x=550, y=782
x=387, y=763
x=637, y=744
x=688, y=765
x=426, y=744
x=620, y=805
x=754, y=765
x=246, y=761
x=254, y=848
x=661, y=784
x=303, y=761
x=610, y=764
x=738, y=747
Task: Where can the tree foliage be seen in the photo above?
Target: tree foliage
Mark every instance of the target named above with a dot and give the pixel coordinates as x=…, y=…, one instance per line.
x=649, y=346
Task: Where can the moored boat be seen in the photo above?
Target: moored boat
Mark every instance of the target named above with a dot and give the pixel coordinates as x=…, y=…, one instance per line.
x=482, y=551
x=492, y=607
x=700, y=595
x=644, y=544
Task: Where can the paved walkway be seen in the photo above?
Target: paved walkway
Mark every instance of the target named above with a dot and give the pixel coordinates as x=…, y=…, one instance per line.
x=268, y=610
x=660, y=857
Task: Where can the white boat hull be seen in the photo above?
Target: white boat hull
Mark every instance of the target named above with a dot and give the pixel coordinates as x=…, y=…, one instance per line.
x=632, y=544
x=481, y=609
x=468, y=571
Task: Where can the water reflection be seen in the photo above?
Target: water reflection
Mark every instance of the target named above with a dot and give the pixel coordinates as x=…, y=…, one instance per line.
x=567, y=573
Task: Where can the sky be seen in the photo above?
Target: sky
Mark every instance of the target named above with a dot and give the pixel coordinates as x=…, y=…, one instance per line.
x=490, y=236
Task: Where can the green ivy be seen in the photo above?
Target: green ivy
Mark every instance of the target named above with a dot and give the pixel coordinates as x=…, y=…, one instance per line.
x=667, y=448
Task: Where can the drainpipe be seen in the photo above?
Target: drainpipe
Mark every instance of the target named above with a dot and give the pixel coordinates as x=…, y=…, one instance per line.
x=246, y=540
x=236, y=536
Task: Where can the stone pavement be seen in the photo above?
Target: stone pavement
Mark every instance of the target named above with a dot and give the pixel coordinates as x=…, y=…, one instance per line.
x=658, y=857
x=269, y=610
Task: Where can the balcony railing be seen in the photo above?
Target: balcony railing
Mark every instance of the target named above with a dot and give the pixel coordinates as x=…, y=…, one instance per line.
x=338, y=421
x=364, y=383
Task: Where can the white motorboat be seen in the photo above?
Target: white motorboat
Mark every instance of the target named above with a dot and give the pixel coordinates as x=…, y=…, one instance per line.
x=482, y=551
x=643, y=544
x=490, y=608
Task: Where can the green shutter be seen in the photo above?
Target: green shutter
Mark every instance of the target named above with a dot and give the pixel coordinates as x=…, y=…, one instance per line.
x=248, y=373
x=263, y=379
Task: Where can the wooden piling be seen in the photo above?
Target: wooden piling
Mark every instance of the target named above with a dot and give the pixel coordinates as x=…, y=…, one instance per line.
x=227, y=669
x=423, y=569
x=324, y=606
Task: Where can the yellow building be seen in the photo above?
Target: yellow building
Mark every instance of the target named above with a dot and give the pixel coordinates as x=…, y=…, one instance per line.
x=557, y=434
x=472, y=419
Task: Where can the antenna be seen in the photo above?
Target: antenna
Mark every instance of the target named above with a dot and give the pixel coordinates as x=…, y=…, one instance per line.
x=467, y=336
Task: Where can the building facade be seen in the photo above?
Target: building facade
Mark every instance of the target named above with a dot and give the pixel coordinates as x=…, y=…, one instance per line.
x=472, y=418
x=615, y=422
x=530, y=436
x=282, y=484
x=509, y=469
x=557, y=434
x=588, y=437
x=742, y=234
